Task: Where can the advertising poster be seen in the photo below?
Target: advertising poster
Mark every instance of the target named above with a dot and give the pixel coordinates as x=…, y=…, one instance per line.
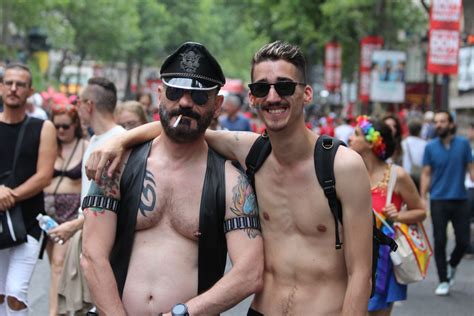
x=367, y=45
x=332, y=66
x=444, y=36
x=466, y=69
x=387, y=76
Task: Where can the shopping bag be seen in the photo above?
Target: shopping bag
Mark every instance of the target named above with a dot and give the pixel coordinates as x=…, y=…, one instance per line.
x=414, y=253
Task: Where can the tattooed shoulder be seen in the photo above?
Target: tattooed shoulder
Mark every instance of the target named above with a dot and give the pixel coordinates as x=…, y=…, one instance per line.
x=244, y=201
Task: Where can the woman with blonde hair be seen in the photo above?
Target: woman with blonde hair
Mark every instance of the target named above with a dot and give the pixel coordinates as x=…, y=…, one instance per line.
x=373, y=140
x=63, y=195
x=130, y=114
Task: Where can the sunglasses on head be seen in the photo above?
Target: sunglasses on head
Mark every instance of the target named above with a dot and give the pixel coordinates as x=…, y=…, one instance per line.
x=63, y=126
x=283, y=88
x=200, y=97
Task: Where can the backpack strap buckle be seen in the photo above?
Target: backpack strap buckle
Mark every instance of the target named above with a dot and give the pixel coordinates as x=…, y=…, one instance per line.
x=330, y=190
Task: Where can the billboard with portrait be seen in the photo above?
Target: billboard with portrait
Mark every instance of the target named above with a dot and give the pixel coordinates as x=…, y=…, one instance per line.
x=387, y=76
x=466, y=69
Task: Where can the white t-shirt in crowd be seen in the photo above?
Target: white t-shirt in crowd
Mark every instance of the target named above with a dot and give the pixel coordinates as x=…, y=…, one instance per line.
x=414, y=146
x=343, y=132
x=94, y=142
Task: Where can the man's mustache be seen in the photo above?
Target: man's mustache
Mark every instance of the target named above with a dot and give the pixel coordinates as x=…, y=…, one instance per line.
x=185, y=112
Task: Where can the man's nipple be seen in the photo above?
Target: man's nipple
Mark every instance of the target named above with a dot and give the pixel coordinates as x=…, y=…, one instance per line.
x=266, y=216
x=321, y=228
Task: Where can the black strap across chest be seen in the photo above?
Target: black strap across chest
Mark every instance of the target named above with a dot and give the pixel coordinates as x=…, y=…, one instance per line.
x=324, y=153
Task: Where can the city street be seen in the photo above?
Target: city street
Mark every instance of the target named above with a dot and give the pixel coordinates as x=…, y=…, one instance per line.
x=421, y=299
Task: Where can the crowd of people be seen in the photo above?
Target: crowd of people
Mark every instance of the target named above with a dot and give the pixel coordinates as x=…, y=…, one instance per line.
x=147, y=217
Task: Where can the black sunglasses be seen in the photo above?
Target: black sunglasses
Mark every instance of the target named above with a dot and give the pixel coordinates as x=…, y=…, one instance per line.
x=63, y=126
x=200, y=97
x=283, y=88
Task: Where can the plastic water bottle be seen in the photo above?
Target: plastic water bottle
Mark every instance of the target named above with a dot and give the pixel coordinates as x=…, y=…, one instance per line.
x=45, y=222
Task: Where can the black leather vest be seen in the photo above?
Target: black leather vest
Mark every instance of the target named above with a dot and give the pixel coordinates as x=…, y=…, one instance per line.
x=212, y=252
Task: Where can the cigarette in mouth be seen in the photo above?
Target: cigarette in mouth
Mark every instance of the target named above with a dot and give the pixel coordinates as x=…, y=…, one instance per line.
x=177, y=121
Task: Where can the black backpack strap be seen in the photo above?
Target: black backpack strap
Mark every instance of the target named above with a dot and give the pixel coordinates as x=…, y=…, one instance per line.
x=257, y=155
x=324, y=153
x=384, y=239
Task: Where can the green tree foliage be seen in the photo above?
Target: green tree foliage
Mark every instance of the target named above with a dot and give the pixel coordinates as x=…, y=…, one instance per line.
x=143, y=32
x=348, y=21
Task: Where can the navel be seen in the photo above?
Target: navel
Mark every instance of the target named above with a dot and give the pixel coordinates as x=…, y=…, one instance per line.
x=321, y=228
x=266, y=216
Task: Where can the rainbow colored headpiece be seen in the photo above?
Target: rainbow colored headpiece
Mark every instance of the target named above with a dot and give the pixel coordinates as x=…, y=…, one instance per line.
x=372, y=136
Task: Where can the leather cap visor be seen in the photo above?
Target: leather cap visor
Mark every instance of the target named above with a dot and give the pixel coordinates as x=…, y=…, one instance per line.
x=191, y=66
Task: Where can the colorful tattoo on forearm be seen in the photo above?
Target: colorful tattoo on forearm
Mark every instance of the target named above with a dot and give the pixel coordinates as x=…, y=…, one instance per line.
x=148, y=198
x=94, y=211
x=244, y=202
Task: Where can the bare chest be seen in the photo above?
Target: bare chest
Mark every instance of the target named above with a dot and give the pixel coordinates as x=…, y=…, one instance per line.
x=292, y=201
x=171, y=201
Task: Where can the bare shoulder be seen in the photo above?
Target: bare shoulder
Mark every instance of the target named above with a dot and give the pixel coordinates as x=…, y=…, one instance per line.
x=48, y=129
x=352, y=178
x=347, y=161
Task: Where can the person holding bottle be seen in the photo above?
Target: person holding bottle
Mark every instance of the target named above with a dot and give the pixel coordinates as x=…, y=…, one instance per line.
x=62, y=196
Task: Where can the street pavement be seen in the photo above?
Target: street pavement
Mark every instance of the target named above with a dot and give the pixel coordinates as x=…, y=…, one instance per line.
x=421, y=299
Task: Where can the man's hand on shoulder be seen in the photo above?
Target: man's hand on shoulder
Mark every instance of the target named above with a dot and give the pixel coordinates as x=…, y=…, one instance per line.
x=105, y=159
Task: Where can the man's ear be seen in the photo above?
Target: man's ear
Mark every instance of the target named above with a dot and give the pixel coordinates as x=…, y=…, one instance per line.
x=30, y=93
x=251, y=99
x=308, y=95
x=218, y=105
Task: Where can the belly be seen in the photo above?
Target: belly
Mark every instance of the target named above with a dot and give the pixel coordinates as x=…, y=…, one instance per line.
x=303, y=279
x=162, y=272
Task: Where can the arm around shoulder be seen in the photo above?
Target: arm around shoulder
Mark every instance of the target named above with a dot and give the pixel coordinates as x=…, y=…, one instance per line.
x=231, y=144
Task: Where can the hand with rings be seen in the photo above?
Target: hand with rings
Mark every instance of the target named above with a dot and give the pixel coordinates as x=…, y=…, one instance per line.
x=56, y=238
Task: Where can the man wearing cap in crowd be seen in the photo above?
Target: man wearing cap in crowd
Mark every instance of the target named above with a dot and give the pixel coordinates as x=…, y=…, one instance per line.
x=168, y=217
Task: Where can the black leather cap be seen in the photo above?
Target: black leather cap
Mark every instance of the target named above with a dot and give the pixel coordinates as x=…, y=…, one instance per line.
x=192, y=67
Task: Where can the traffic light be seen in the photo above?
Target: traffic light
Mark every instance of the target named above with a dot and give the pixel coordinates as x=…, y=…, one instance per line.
x=37, y=40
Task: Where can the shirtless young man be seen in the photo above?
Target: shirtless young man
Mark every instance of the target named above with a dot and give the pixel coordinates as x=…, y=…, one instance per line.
x=304, y=273
x=179, y=241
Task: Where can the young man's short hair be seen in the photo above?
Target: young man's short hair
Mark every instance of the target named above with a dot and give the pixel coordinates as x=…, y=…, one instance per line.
x=282, y=50
x=104, y=93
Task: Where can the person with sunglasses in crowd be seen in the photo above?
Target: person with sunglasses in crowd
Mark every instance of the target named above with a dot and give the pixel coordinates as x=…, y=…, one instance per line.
x=63, y=195
x=95, y=107
x=156, y=233
x=304, y=273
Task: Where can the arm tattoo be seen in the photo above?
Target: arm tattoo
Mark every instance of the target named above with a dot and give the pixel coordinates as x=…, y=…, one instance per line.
x=244, y=202
x=111, y=185
x=236, y=136
x=148, y=198
x=95, y=189
x=107, y=186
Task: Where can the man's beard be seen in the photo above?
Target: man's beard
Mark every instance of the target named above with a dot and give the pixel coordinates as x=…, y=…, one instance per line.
x=183, y=132
x=443, y=132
